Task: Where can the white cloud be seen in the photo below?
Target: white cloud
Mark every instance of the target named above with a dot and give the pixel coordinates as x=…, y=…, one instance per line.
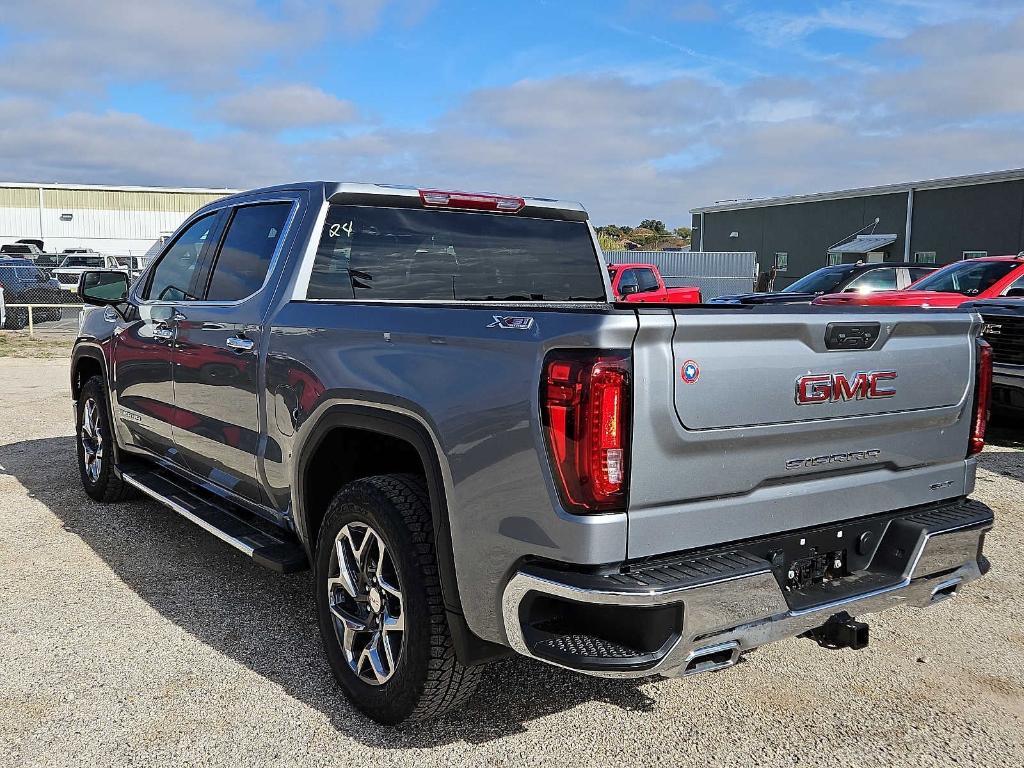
x=361, y=17
x=949, y=102
x=65, y=46
x=274, y=108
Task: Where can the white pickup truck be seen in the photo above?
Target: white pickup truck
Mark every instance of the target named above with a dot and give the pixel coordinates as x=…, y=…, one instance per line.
x=71, y=267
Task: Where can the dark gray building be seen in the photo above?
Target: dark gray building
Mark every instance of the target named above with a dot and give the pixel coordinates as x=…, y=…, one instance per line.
x=931, y=222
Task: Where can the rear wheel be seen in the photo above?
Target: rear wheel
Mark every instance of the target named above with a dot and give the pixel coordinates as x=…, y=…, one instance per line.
x=379, y=603
x=100, y=478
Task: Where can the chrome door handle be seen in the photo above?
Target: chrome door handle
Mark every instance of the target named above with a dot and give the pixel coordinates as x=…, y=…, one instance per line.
x=240, y=343
x=163, y=333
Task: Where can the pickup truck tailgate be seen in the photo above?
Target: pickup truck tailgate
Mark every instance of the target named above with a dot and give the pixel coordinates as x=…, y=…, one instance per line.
x=779, y=422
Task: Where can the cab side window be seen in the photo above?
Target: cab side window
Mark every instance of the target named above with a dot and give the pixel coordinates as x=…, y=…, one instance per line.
x=249, y=246
x=646, y=280
x=875, y=280
x=643, y=279
x=172, y=276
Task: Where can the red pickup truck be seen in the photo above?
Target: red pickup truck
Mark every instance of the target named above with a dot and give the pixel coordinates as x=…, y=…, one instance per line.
x=987, y=277
x=642, y=284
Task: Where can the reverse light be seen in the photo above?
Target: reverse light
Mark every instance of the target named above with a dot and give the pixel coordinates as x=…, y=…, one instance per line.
x=436, y=198
x=585, y=409
x=982, y=397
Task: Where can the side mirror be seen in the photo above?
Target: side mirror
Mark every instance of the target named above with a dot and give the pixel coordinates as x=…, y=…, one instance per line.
x=1016, y=292
x=629, y=289
x=103, y=288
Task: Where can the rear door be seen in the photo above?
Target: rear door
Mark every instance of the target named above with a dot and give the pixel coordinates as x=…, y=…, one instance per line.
x=777, y=420
x=216, y=364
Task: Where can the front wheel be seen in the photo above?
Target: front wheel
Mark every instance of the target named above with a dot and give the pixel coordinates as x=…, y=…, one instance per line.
x=95, y=445
x=379, y=603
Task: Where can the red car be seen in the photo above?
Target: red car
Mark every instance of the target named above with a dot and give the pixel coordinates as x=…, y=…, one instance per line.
x=987, y=277
x=643, y=284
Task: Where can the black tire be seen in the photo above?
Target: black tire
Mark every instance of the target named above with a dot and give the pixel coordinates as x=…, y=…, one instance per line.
x=106, y=486
x=427, y=679
x=16, y=319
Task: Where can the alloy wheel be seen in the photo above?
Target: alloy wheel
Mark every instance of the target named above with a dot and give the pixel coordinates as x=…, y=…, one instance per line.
x=92, y=440
x=366, y=603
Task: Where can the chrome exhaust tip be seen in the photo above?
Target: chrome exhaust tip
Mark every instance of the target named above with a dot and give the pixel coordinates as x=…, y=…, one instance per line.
x=712, y=658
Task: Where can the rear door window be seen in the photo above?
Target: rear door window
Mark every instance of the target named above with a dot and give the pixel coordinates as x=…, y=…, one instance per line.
x=252, y=238
x=875, y=280
x=409, y=254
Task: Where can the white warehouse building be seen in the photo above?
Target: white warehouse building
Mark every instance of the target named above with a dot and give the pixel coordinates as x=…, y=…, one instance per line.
x=116, y=220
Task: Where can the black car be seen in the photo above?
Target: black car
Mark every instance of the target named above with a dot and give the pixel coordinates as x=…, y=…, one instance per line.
x=1004, y=330
x=867, y=278
x=24, y=283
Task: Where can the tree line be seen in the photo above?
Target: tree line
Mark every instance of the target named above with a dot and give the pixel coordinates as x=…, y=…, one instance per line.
x=650, y=234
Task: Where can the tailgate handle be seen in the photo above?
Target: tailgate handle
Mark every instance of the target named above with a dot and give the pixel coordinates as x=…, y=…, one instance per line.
x=851, y=335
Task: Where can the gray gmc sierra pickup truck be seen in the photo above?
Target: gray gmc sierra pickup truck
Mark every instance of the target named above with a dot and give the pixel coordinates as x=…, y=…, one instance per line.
x=432, y=400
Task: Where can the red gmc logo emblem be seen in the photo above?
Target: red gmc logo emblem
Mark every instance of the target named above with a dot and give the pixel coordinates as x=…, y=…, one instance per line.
x=834, y=387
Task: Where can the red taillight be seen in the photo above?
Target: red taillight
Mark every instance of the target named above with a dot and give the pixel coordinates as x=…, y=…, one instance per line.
x=436, y=198
x=585, y=409
x=982, y=394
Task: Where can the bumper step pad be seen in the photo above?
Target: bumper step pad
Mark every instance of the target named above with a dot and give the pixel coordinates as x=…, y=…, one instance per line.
x=693, y=612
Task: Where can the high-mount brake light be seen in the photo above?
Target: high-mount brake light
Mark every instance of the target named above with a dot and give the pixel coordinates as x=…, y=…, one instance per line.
x=982, y=396
x=436, y=198
x=585, y=401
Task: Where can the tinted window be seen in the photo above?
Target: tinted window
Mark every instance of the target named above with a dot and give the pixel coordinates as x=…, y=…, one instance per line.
x=644, y=279
x=95, y=262
x=410, y=254
x=173, y=275
x=967, y=277
x=824, y=280
x=249, y=245
x=916, y=273
x=874, y=280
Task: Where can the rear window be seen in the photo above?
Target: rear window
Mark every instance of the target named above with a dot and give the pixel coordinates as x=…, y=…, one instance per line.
x=824, y=280
x=412, y=254
x=83, y=261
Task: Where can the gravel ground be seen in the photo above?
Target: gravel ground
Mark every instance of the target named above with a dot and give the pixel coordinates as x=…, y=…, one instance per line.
x=130, y=637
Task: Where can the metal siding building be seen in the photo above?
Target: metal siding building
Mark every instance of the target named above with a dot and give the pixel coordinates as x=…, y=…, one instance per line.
x=945, y=219
x=109, y=219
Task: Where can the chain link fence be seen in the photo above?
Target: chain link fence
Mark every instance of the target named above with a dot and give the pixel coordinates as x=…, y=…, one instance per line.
x=36, y=298
x=33, y=299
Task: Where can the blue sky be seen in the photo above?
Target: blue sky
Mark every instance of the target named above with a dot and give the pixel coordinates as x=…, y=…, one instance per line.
x=637, y=108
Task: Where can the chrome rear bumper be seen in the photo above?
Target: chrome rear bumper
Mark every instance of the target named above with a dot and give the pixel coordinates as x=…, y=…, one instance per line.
x=731, y=601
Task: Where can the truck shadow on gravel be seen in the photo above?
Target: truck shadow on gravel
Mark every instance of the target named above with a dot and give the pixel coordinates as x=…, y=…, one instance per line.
x=1004, y=434
x=267, y=621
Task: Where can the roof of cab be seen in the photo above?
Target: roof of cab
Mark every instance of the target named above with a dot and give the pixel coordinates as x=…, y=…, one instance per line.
x=348, y=191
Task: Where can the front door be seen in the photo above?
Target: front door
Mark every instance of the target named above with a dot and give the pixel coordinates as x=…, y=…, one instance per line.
x=216, y=370
x=143, y=344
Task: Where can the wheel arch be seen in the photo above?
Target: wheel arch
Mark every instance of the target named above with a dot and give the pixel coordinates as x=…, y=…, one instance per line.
x=87, y=360
x=410, y=428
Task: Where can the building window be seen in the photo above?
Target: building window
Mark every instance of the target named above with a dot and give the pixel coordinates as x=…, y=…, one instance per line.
x=975, y=254
x=781, y=261
x=834, y=257
x=924, y=257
